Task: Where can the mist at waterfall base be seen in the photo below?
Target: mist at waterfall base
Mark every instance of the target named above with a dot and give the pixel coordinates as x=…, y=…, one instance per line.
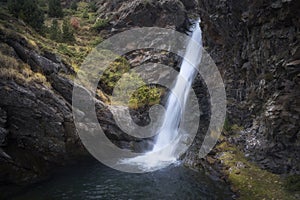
x=168, y=138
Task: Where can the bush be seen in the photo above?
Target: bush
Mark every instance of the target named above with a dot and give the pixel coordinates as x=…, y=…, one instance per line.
x=100, y=24
x=64, y=49
x=116, y=79
x=97, y=41
x=85, y=14
x=8, y=62
x=92, y=6
x=74, y=6
x=55, y=32
x=145, y=96
x=75, y=23
x=55, y=9
x=113, y=73
x=29, y=11
x=292, y=183
x=67, y=32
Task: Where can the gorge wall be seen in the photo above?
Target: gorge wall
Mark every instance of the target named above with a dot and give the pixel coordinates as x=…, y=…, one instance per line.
x=37, y=132
x=255, y=44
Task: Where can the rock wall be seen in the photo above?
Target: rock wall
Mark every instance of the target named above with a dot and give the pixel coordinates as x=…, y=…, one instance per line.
x=37, y=132
x=36, y=123
x=128, y=13
x=256, y=47
x=255, y=44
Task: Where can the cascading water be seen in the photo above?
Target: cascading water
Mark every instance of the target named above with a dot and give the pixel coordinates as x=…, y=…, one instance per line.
x=163, y=153
x=178, y=97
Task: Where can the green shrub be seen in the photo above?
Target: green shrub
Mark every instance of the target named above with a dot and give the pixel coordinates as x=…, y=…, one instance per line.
x=74, y=6
x=113, y=73
x=128, y=94
x=97, y=41
x=145, y=96
x=55, y=32
x=85, y=14
x=55, y=9
x=227, y=126
x=67, y=32
x=29, y=11
x=292, y=183
x=116, y=79
x=76, y=56
x=92, y=6
x=100, y=24
x=65, y=50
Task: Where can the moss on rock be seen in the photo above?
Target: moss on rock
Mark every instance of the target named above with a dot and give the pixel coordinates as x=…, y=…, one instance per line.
x=248, y=180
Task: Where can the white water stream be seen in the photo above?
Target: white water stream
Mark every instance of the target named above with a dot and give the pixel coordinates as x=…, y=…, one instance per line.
x=163, y=153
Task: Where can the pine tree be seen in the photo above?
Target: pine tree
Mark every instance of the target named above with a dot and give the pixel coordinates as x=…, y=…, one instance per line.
x=55, y=9
x=74, y=6
x=92, y=6
x=85, y=14
x=55, y=32
x=67, y=32
x=29, y=11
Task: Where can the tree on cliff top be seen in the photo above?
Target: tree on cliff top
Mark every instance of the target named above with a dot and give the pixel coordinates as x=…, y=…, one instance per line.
x=67, y=32
x=55, y=9
x=55, y=32
x=29, y=11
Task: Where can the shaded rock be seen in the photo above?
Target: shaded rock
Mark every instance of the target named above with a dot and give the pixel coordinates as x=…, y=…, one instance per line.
x=256, y=48
x=63, y=86
x=3, y=131
x=3, y=135
x=164, y=13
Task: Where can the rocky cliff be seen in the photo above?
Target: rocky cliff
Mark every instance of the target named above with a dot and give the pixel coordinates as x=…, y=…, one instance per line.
x=37, y=129
x=256, y=46
x=37, y=132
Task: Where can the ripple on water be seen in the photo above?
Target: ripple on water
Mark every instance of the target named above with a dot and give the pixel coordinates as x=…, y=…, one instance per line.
x=95, y=181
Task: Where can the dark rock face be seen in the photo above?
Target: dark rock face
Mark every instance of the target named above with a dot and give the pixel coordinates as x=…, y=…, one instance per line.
x=254, y=43
x=140, y=13
x=35, y=123
x=37, y=131
x=256, y=47
x=3, y=131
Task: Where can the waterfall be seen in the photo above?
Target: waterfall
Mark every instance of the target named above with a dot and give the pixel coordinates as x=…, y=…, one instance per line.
x=163, y=154
x=178, y=97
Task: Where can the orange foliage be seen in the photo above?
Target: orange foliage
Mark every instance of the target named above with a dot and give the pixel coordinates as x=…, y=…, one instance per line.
x=75, y=23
